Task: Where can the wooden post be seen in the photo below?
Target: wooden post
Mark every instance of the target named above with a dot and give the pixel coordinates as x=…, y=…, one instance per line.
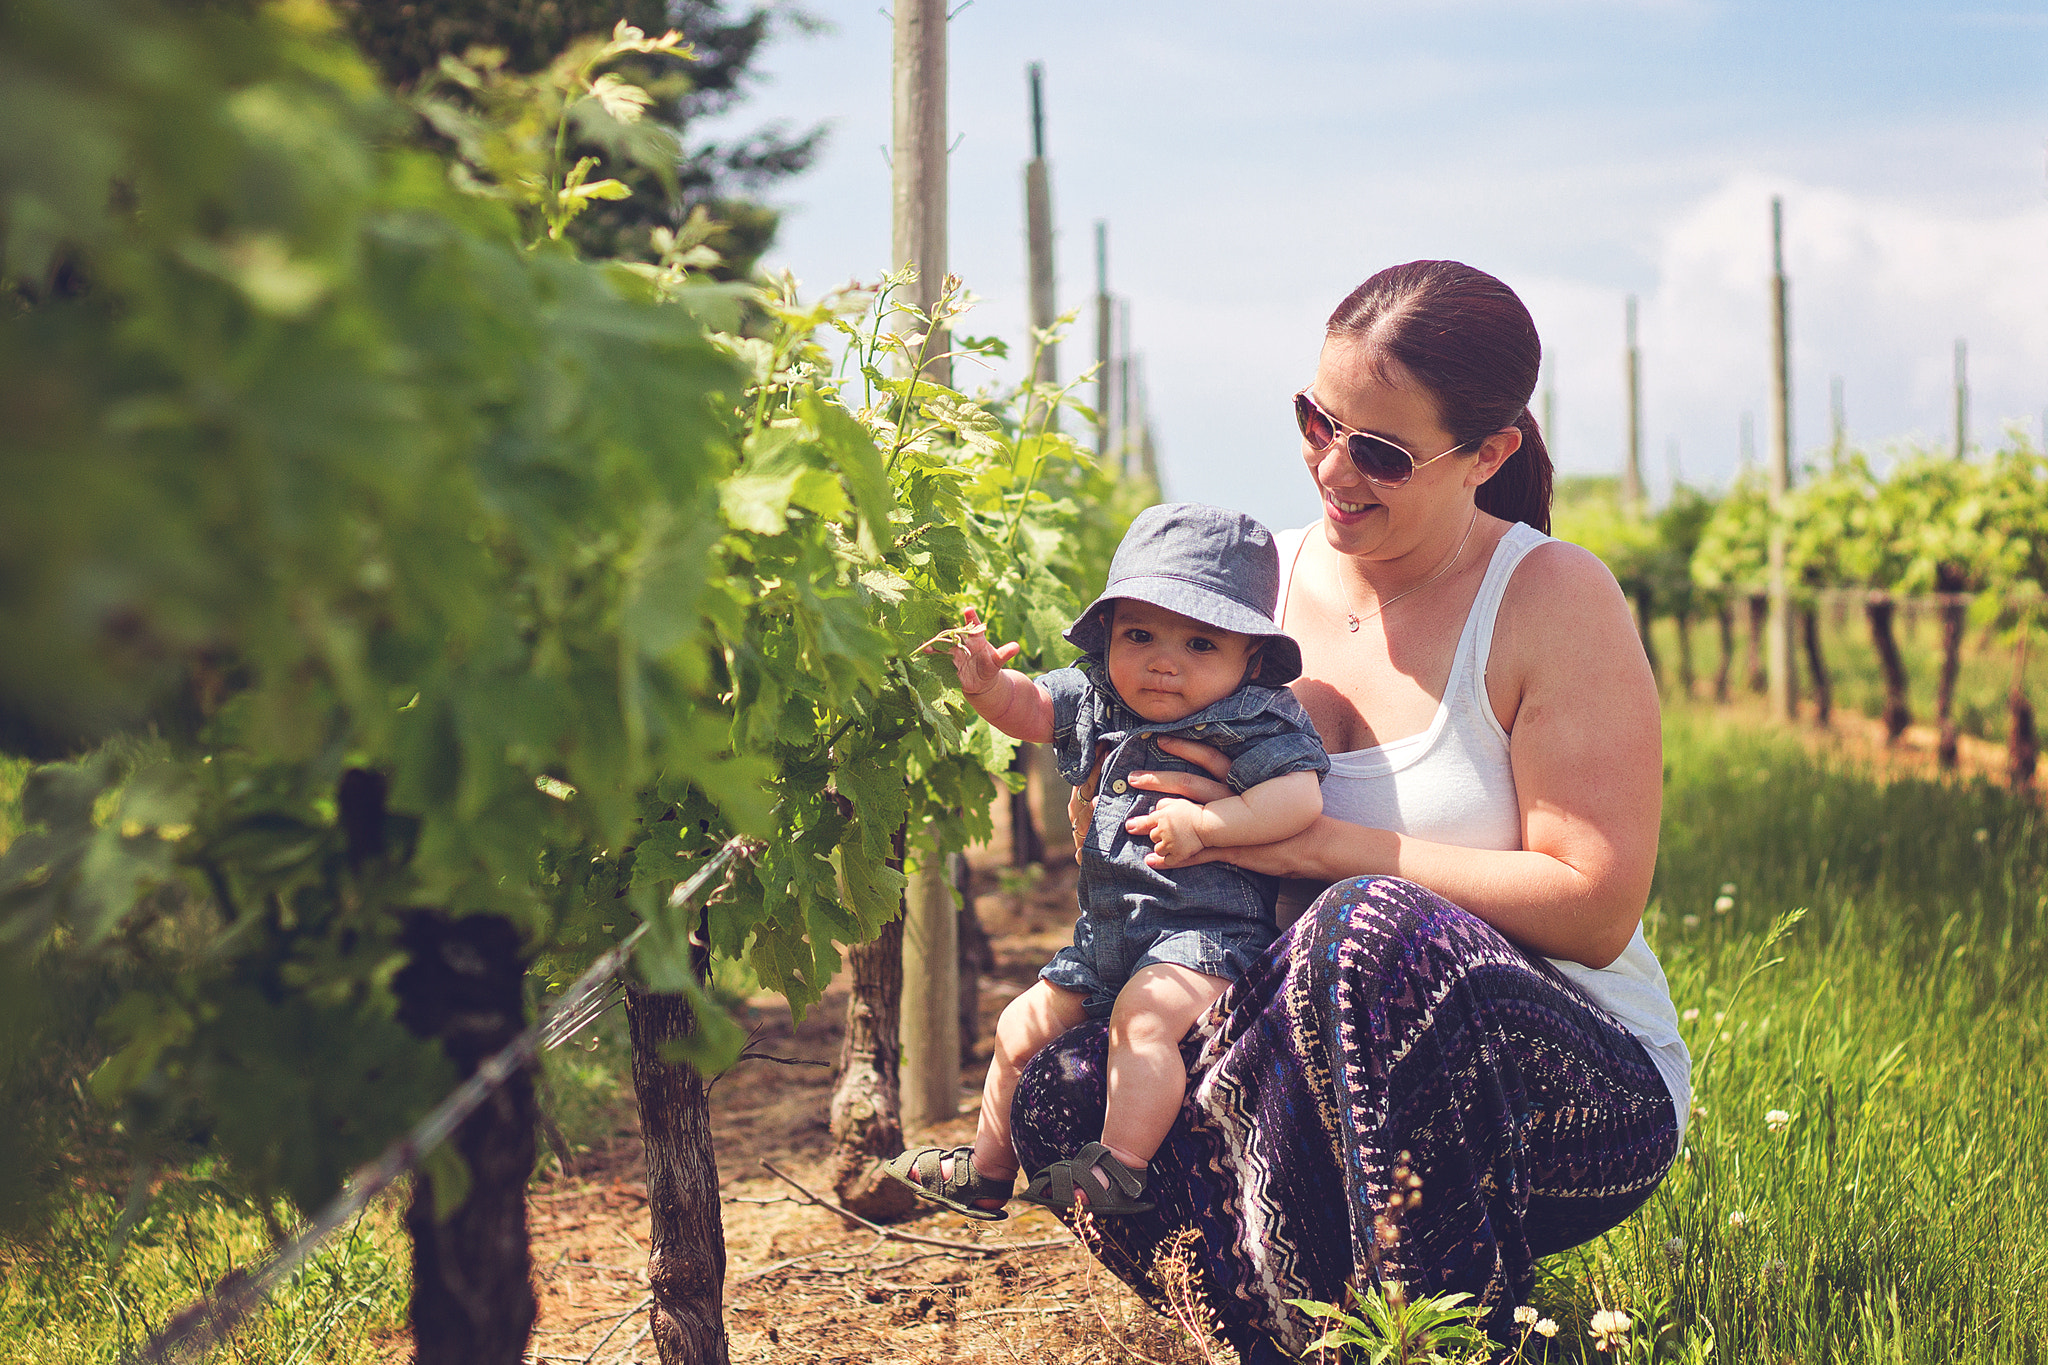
x=1778, y=642
x=1962, y=397
x=930, y=1024
x=1123, y=384
x=1102, y=339
x=1038, y=233
x=1632, y=473
x=919, y=162
x=1148, y=457
x=1049, y=842
x=1838, y=418
x=866, y=1103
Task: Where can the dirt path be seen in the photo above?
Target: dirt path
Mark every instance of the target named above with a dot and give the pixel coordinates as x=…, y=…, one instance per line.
x=803, y=1285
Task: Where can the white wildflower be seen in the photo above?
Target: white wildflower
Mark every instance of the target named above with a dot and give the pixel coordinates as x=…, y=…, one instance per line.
x=1723, y=904
x=1727, y=888
x=1690, y=1014
x=1525, y=1316
x=1545, y=1327
x=1776, y=1119
x=1690, y=921
x=1737, y=1219
x=1609, y=1329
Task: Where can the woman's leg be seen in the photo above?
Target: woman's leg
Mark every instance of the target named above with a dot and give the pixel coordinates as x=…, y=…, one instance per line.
x=1386, y=1021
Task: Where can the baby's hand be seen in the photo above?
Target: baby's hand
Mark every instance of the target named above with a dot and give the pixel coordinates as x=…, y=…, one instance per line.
x=1170, y=826
x=975, y=660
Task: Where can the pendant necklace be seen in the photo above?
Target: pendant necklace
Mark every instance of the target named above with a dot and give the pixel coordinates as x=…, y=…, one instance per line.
x=1356, y=620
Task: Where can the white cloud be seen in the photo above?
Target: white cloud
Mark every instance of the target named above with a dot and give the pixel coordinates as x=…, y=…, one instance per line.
x=1879, y=293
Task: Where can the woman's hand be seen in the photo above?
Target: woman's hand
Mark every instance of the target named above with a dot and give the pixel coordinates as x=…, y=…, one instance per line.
x=1193, y=786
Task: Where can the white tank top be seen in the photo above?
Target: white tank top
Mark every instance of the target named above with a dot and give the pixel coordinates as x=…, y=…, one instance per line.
x=1453, y=783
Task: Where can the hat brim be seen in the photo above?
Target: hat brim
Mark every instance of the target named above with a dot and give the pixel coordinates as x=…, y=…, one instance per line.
x=1279, y=659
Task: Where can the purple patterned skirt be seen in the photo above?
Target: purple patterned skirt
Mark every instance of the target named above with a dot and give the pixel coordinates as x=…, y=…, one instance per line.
x=1386, y=1022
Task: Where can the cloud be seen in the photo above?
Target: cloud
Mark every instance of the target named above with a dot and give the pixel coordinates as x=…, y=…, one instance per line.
x=1880, y=290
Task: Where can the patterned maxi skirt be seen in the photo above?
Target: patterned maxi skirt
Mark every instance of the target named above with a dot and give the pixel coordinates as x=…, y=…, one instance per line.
x=1387, y=1023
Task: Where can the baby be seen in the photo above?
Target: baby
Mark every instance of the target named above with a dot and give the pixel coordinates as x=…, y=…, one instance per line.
x=1181, y=644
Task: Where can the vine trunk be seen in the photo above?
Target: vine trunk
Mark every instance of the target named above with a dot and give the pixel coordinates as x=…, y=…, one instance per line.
x=1951, y=611
x=1878, y=610
x=1724, y=617
x=1816, y=664
x=686, y=1252
x=472, y=1290
x=1646, y=612
x=867, y=1123
x=1759, y=612
x=2022, y=746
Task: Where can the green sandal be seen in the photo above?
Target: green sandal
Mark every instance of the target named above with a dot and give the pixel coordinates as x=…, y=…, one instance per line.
x=1107, y=1185
x=920, y=1169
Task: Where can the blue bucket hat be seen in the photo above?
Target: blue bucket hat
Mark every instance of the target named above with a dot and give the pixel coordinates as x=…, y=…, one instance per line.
x=1209, y=564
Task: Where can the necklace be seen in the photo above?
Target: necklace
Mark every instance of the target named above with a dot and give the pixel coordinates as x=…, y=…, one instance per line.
x=1356, y=620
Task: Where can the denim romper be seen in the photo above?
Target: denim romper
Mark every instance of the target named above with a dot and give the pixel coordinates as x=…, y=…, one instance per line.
x=1212, y=917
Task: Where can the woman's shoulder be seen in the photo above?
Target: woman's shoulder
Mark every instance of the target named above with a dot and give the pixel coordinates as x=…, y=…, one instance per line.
x=1563, y=621
x=1556, y=579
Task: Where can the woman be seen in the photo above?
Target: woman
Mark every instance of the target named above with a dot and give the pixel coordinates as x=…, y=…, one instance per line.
x=1470, y=1004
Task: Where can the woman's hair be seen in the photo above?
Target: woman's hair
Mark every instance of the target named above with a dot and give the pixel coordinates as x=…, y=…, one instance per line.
x=1469, y=341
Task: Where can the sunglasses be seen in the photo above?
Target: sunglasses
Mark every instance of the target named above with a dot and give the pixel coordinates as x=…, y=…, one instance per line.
x=1379, y=459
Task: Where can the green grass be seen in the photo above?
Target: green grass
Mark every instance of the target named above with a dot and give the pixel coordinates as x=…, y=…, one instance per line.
x=1900, y=1214
x=84, y=1295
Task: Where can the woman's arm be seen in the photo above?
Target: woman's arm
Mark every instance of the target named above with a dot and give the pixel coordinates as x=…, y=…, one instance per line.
x=1570, y=682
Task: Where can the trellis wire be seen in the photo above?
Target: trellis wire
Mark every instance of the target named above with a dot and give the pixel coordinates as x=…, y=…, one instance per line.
x=215, y=1317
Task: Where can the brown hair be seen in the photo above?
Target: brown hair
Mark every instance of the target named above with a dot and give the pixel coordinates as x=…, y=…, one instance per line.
x=1469, y=341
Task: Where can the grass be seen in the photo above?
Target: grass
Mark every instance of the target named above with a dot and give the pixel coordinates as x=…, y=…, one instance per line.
x=1894, y=1208
x=87, y=1292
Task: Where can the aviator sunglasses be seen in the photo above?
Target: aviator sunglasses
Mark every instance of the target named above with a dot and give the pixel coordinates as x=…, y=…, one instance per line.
x=1379, y=459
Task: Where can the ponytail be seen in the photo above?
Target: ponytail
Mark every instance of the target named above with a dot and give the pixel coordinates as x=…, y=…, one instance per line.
x=1520, y=489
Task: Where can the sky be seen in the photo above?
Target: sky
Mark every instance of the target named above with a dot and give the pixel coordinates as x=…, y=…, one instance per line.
x=1255, y=163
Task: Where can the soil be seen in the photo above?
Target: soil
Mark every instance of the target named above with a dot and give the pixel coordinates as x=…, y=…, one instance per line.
x=804, y=1284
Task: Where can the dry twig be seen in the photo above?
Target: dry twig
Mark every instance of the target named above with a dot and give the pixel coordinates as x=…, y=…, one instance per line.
x=971, y=1248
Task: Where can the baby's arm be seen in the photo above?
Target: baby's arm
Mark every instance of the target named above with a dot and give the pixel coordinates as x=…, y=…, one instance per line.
x=1005, y=698
x=1275, y=809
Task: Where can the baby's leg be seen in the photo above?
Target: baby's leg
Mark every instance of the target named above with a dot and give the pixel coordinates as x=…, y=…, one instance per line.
x=1147, y=1079
x=1028, y=1023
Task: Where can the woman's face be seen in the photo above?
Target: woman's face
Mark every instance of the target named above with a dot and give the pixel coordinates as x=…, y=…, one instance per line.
x=1361, y=517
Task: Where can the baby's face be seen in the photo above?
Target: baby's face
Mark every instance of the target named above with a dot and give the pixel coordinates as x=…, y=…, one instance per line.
x=1167, y=667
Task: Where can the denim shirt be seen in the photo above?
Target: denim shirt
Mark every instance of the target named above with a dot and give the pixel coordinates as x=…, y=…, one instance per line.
x=1262, y=730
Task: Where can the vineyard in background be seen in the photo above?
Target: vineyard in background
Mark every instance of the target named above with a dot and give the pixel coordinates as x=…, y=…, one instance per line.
x=1917, y=593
